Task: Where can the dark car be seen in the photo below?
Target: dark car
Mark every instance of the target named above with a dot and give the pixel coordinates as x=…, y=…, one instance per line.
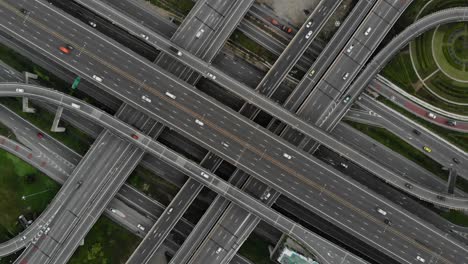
x=451, y=122
x=440, y=197
x=457, y=161
x=25, y=11
x=135, y=136
x=416, y=132
x=387, y=221
x=409, y=186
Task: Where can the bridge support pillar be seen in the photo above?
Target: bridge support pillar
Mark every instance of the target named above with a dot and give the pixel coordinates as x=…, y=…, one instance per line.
x=26, y=107
x=55, y=127
x=451, y=180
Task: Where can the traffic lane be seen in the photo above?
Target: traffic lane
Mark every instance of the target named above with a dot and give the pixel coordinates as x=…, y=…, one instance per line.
x=443, y=152
x=389, y=158
x=145, y=15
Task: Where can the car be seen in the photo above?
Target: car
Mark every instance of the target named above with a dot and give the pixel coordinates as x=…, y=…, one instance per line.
x=346, y=99
x=170, y=210
x=286, y=29
x=47, y=230
x=92, y=23
x=134, y=136
x=427, y=149
x=440, y=197
x=431, y=115
x=19, y=90
x=380, y=211
x=225, y=144
x=368, y=30
x=205, y=175
x=170, y=95
x=97, y=78
x=416, y=132
x=199, y=33
x=309, y=24
x=456, y=160
x=311, y=73
x=23, y=238
x=142, y=228
x=408, y=185
x=146, y=98
x=77, y=106
x=144, y=36
x=211, y=76
x=420, y=259
x=40, y=135
x=387, y=221
x=286, y=155
x=266, y=194
x=451, y=122
x=25, y=11
x=175, y=50
x=345, y=76
x=64, y=50
x=219, y=250
x=199, y=122
x=309, y=34
x=350, y=48
x=344, y=165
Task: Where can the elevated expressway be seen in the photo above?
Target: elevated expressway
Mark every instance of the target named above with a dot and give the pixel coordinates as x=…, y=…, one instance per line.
x=146, y=143
x=299, y=161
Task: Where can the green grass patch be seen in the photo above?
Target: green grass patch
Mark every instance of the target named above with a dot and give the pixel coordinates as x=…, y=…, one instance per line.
x=106, y=243
x=398, y=145
x=179, y=7
x=456, y=217
x=401, y=72
x=457, y=138
x=5, y=131
x=448, y=88
x=18, y=179
x=239, y=38
x=152, y=185
x=256, y=250
x=72, y=137
x=422, y=52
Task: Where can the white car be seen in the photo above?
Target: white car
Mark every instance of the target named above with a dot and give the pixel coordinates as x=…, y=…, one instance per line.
x=168, y=94
x=146, y=98
x=97, y=78
x=198, y=122
x=344, y=165
x=77, y=106
x=380, y=211
x=206, y=176
x=309, y=24
x=142, y=228
x=266, y=194
x=309, y=34
x=170, y=210
x=19, y=90
x=431, y=115
x=199, y=33
x=350, y=49
x=368, y=30
x=113, y=210
x=211, y=76
x=420, y=259
x=286, y=155
x=311, y=73
x=92, y=23
x=144, y=36
x=225, y=144
x=345, y=76
x=219, y=250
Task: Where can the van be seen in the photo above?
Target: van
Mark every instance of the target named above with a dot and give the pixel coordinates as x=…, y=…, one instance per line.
x=77, y=106
x=19, y=90
x=199, y=33
x=380, y=211
x=97, y=78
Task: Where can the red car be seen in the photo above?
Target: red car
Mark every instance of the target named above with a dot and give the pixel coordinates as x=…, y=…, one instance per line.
x=40, y=135
x=66, y=49
x=135, y=136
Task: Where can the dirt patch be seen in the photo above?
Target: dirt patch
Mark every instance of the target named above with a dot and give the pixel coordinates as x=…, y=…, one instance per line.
x=292, y=10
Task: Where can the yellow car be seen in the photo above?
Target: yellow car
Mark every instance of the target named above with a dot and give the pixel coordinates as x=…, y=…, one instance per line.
x=427, y=149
